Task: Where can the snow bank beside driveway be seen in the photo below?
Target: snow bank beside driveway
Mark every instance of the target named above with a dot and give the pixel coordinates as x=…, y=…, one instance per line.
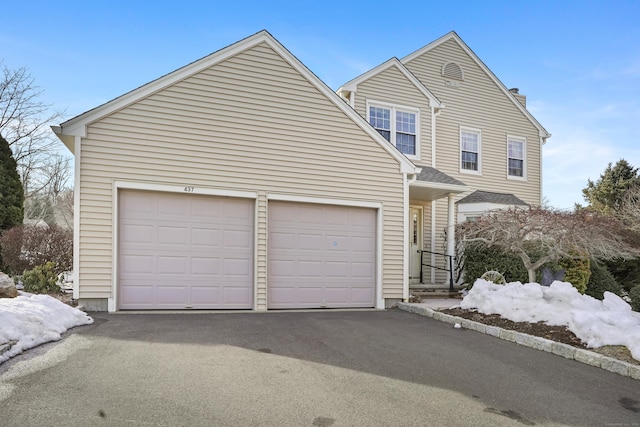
x=597, y=323
x=30, y=320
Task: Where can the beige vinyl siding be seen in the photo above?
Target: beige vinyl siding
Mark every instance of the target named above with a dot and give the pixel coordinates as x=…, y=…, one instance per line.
x=250, y=123
x=478, y=103
x=391, y=86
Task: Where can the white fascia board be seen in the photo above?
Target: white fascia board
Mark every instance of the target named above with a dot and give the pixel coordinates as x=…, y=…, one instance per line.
x=478, y=61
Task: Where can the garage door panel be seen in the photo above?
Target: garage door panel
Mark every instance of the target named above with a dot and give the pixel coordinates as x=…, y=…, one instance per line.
x=137, y=264
x=171, y=295
x=184, y=251
x=237, y=267
x=364, y=270
x=318, y=254
x=170, y=205
x=205, y=238
x=205, y=296
x=205, y=267
x=337, y=269
x=308, y=241
x=309, y=296
x=137, y=233
x=172, y=265
x=237, y=239
x=172, y=235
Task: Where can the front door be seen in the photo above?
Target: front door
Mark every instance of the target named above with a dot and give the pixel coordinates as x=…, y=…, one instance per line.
x=415, y=243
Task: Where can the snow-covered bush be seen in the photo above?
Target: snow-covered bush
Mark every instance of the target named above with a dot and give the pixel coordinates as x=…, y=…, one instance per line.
x=494, y=277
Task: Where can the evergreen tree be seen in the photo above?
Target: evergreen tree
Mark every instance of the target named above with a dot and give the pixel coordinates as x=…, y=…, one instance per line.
x=607, y=193
x=11, y=191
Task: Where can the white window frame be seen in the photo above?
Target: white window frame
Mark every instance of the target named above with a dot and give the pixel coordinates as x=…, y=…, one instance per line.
x=523, y=141
x=398, y=108
x=479, y=133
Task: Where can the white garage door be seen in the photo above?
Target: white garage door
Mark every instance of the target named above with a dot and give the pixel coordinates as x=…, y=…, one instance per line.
x=321, y=256
x=180, y=251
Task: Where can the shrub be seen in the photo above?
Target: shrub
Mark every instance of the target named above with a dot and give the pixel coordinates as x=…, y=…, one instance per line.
x=626, y=272
x=479, y=259
x=601, y=280
x=41, y=279
x=577, y=271
x=634, y=294
x=26, y=246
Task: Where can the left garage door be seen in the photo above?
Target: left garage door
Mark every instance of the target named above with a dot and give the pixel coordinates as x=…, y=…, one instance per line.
x=179, y=251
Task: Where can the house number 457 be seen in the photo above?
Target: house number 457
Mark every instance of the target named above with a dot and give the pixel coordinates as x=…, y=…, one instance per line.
x=189, y=189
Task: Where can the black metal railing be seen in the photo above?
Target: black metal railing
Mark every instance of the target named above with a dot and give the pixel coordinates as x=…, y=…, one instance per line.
x=448, y=258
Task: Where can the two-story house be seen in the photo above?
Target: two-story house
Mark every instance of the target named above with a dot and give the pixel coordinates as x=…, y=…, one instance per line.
x=451, y=116
x=241, y=181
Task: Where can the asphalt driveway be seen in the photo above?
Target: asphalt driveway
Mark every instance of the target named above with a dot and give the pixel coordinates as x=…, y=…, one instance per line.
x=319, y=368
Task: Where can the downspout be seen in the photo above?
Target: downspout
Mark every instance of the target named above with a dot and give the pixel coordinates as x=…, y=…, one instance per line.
x=451, y=238
x=434, y=114
x=408, y=180
x=77, y=149
x=543, y=140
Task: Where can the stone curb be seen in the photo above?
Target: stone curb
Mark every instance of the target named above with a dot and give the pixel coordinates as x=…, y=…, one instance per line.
x=569, y=352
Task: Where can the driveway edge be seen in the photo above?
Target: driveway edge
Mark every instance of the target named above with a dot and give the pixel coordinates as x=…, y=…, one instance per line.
x=569, y=352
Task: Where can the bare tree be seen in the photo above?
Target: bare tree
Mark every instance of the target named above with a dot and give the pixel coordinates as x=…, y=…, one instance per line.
x=24, y=123
x=630, y=209
x=64, y=208
x=552, y=233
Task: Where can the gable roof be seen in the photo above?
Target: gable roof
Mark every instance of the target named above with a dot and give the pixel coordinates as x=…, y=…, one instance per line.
x=393, y=62
x=77, y=126
x=489, y=197
x=453, y=36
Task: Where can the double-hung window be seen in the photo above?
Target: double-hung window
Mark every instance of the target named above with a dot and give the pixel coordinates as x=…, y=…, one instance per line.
x=398, y=125
x=470, y=150
x=516, y=157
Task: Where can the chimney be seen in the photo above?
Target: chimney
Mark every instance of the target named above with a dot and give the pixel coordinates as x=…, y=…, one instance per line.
x=521, y=98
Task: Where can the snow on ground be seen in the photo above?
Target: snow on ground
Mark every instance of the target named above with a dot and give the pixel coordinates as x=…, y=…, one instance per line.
x=597, y=323
x=30, y=320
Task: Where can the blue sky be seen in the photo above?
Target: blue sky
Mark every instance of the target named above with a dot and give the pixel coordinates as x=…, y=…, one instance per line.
x=578, y=62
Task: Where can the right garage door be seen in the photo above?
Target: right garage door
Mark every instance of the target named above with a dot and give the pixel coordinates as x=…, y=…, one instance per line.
x=321, y=256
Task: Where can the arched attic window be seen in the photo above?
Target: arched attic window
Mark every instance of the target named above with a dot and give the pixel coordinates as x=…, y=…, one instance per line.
x=451, y=70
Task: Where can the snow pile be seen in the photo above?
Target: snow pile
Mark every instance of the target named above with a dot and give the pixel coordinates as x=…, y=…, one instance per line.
x=597, y=323
x=30, y=320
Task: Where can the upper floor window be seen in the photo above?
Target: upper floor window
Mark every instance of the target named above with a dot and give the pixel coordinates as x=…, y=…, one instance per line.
x=398, y=125
x=516, y=157
x=470, y=150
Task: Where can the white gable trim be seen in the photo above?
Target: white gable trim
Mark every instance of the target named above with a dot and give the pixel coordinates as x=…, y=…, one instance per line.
x=453, y=36
x=352, y=85
x=77, y=126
